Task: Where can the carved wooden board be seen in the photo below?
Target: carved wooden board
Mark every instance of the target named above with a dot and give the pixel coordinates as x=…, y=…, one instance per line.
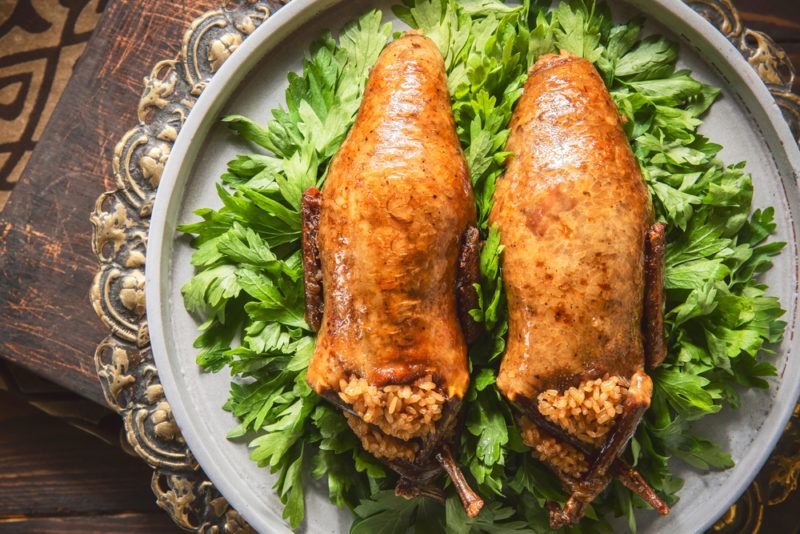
x=46, y=259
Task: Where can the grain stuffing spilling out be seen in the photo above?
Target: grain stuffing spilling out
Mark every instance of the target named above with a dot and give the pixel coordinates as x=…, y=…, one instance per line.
x=392, y=415
x=381, y=445
x=562, y=456
x=587, y=411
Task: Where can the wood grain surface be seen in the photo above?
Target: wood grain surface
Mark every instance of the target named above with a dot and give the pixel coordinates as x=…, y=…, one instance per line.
x=46, y=262
x=123, y=523
x=53, y=478
x=56, y=478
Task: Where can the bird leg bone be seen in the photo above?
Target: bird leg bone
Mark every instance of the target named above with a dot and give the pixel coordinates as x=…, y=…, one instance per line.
x=620, y=469
x=471, y=500
x=605, y=463
x=415, y=484
x=597, y=477
x=415, y=477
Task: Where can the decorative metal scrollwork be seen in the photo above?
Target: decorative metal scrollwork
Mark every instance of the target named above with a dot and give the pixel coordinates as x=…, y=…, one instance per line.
x=120, y=223
x=768, y=59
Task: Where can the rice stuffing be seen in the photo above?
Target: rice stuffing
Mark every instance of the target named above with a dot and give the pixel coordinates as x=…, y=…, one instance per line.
x=379, y=444
x=562, y=456
x=404, y=412
x=587, y=411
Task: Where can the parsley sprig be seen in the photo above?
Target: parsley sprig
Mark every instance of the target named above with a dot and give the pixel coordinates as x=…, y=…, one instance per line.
x=248, y=284
x=249, y=280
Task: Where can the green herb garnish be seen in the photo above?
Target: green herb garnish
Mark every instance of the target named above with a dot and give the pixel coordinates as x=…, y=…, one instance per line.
x=248, y=284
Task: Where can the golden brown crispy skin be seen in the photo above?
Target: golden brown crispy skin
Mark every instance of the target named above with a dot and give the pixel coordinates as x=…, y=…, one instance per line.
x=572, y=211
x=395, y=204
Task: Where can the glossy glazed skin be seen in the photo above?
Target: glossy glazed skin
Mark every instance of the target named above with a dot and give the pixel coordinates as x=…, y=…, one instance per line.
x=395, y=203
x=572, y=210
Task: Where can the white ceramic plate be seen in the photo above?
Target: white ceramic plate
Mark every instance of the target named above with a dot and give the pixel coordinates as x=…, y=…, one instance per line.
x=252, y=82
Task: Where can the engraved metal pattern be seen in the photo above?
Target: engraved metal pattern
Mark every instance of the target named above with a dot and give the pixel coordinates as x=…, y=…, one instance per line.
x=120, y=223
x=768, y=59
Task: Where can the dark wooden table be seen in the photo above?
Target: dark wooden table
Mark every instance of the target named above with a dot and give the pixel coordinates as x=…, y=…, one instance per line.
x=55, y=478
x=46, y=268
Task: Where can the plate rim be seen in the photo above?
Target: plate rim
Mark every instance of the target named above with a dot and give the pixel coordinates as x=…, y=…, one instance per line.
x=287, y=19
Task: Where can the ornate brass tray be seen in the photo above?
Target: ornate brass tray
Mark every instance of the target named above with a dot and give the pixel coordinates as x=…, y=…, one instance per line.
x=120, y=223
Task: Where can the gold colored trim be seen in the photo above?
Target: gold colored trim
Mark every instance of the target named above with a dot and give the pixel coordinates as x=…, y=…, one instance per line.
x=120, y=224
x=768, y=59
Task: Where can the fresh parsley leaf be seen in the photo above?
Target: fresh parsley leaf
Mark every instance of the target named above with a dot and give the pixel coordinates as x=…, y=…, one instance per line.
x=651, y=58
x=385, y=513
x=248, y=281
